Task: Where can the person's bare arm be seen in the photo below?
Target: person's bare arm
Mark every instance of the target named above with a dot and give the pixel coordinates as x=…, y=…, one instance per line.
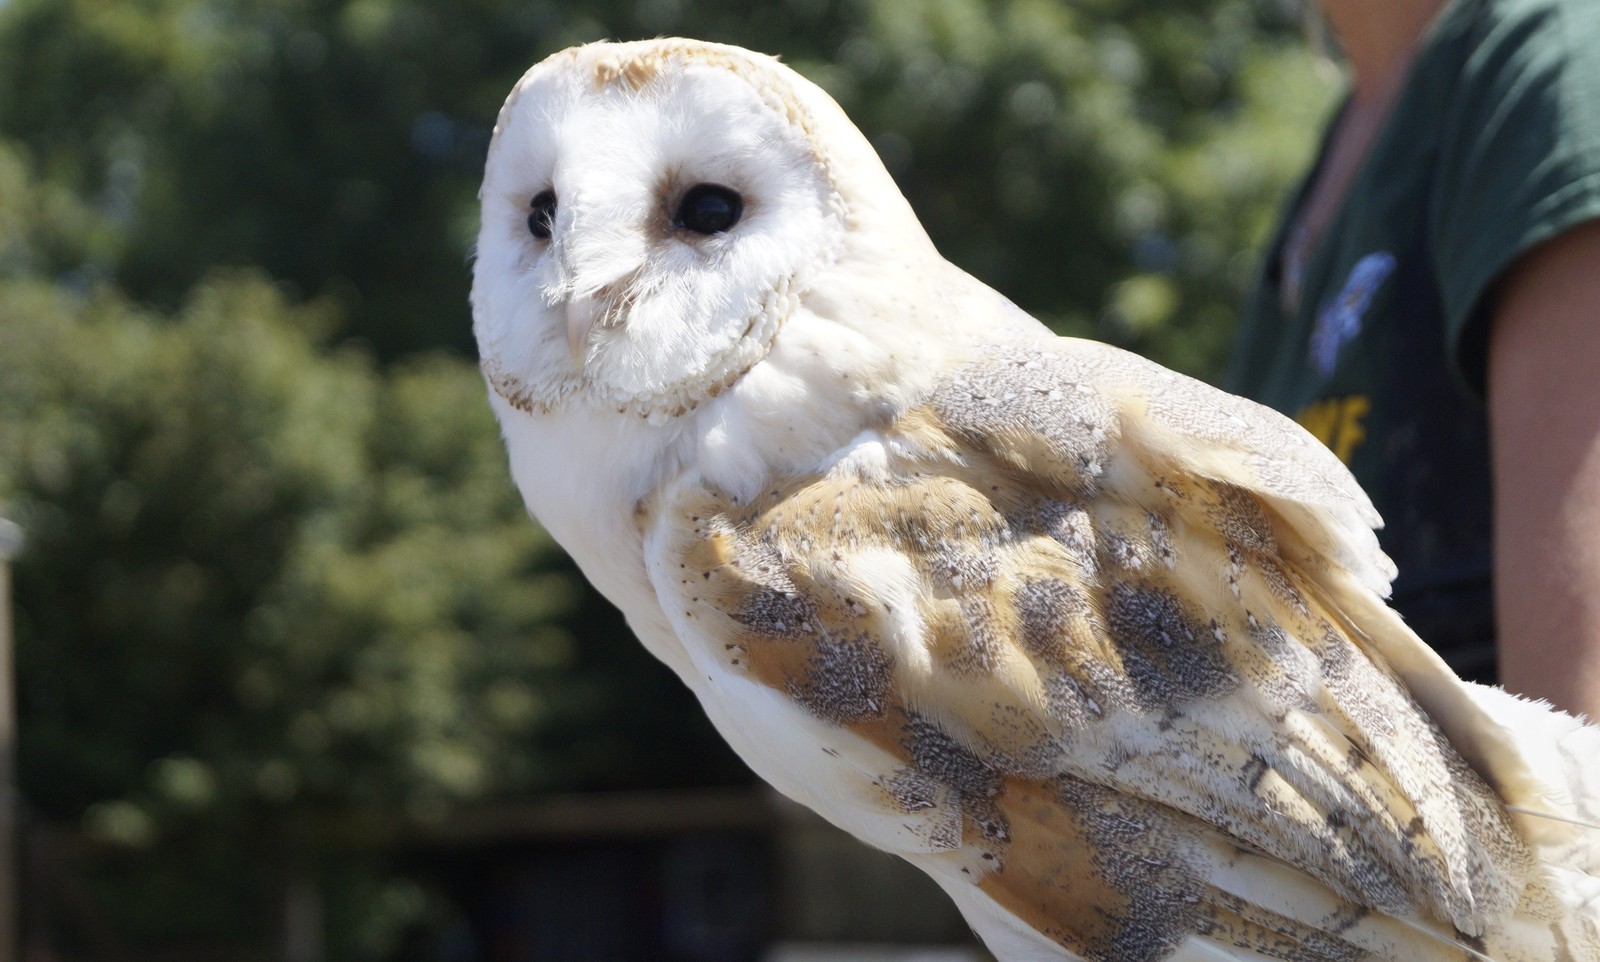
x=1544, y=422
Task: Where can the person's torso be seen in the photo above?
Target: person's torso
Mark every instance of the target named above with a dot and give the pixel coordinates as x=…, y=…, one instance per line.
x=1362, y=361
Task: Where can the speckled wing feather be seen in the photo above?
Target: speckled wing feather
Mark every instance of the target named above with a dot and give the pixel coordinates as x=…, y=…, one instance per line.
x=1101, y=649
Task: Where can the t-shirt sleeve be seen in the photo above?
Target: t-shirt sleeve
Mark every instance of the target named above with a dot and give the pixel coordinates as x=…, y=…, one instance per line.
x=1521, y=156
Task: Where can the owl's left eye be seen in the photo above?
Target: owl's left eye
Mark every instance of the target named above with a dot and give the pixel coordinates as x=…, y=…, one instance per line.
x=709, y=209
x=542, y=214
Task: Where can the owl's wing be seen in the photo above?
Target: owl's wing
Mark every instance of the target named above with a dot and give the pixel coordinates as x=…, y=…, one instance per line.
x=1106, y=644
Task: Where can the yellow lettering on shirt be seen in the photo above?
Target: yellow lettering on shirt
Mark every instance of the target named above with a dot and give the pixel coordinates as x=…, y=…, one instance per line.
x=1321, y=419
x=1338, y=422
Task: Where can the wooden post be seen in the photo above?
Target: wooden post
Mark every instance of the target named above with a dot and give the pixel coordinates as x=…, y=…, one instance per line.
x=10, y=849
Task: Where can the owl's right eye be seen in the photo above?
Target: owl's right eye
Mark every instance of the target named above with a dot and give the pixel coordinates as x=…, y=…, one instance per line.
x=542, y=215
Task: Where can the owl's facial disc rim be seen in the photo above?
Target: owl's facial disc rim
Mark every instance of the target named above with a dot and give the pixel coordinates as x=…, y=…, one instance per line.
x=732, y=364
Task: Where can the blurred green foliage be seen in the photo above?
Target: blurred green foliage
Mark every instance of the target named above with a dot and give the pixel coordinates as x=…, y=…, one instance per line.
x=1055, y=148
x=278, y=582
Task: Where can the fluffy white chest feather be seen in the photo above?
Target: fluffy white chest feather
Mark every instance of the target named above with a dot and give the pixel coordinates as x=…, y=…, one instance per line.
x=1100, y=648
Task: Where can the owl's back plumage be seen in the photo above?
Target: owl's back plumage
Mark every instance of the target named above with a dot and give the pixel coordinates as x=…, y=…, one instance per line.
x=1100, y=648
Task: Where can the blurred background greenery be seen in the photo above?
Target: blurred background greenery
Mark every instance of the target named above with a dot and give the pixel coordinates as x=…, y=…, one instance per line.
x=279, y=595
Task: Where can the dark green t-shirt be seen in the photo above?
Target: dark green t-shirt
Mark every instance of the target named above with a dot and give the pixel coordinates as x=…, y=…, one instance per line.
x=1492, y=147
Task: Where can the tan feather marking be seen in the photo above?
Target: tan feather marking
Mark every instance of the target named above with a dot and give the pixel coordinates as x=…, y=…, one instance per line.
x=1112, y=877
x=846, y=680
x=1048, y=611
x=635, y=66
x=1028, y=408
x=1235, y=921
x=914, y=792
x=633, y=72
x=1168, y=653
x=1239, y=517
x=1106, y=875
x=1052, y=881
x=1161, y=542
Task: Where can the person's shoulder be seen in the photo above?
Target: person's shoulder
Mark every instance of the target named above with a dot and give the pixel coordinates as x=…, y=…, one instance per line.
x=1513, y=85
x=1514, y=11
x=1529, y=27
x=1535, y=60
x=1515, y=65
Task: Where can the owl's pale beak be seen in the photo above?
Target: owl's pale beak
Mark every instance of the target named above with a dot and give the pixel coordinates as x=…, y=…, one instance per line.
x=582, y=313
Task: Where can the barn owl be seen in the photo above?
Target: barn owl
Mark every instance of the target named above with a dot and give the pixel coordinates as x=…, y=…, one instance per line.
x=1101, y=649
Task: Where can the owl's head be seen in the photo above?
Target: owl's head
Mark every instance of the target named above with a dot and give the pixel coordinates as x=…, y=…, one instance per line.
x=651, y=214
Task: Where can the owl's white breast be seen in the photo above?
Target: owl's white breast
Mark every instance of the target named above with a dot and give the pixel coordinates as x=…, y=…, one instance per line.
x=581, y=471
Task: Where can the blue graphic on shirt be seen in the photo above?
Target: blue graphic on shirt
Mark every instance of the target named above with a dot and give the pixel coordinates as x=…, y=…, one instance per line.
x=1340, y=321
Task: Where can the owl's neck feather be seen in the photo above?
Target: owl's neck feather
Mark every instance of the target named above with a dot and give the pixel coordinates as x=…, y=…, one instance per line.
x=581, y=470
x=850, y=360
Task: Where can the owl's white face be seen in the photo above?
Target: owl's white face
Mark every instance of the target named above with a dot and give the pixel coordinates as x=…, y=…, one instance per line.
x=649, y=213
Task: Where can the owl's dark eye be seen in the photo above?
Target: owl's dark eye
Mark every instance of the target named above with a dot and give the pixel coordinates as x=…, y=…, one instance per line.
x=709, y=209
x=542, y=216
